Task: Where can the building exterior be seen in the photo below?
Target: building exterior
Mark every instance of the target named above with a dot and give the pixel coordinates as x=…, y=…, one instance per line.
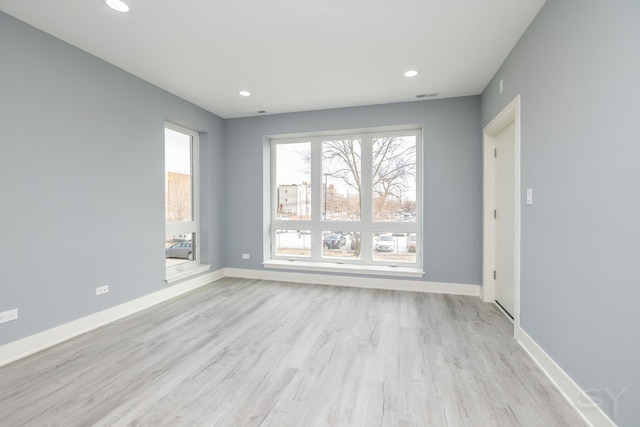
x=178, y=197
x=294, y=200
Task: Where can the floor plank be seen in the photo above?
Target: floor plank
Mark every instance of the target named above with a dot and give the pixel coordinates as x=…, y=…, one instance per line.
x=256, y=353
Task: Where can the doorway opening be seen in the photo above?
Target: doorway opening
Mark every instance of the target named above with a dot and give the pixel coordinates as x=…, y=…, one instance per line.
x=501, y=211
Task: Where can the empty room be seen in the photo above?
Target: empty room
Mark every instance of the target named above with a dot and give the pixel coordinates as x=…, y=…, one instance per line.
x=334, y=213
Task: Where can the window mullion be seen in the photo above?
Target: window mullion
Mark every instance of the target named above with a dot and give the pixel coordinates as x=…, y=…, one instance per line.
x=316, y=199
x=366, y=197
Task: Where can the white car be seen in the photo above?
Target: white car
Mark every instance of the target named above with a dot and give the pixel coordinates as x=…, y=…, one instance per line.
x=180, y=250
x=384, y=243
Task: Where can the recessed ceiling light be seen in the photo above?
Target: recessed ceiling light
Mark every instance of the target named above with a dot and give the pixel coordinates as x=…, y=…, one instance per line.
x=411, y=73
x=244, y=93
x=118, y=5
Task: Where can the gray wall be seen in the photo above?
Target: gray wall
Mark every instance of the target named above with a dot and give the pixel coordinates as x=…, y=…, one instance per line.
x=452, y=178
x=82, y=181
x=578, y=70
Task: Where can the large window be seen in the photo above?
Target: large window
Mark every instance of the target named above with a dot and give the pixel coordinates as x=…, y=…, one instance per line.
x=181, y=201
x=347, y=199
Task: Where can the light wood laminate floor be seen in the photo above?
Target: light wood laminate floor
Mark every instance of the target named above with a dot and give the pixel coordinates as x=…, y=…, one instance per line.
x=256, y=353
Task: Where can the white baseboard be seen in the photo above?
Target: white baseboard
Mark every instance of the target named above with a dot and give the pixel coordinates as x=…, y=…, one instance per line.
x=357, y=282
x=32, y=344
x=580, y=400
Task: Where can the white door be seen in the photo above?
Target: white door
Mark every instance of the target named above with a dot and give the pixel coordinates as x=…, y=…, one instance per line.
x=505, y=220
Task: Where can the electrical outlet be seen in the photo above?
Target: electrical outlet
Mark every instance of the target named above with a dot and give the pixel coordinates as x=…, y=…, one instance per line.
x=102, y=290
x=9, y=315
x=246, y=256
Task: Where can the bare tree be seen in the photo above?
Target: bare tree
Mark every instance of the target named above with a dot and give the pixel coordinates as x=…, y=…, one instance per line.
x=394, y=162
x=343, y=161
x=409, y=206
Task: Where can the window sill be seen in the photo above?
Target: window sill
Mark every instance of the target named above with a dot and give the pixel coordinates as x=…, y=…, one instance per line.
x=334, y=267
x=185, y=273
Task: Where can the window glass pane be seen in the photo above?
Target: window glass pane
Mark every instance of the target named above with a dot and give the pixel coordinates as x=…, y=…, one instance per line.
x=178, y=200
x=293, y=243
x=394, y=178
x=341, y=179
x=179, y=249
x=389, y=246
x=293, y=180
x=340, y=244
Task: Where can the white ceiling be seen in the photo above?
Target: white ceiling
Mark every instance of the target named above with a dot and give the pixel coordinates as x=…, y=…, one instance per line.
x=293, y=55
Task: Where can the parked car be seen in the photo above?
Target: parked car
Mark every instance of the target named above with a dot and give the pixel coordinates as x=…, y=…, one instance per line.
x=384, y=243
x=334, y=241
x=411, y=242
x=180, y=250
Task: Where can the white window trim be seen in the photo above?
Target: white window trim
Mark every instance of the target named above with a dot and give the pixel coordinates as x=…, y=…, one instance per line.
x=186, y=269
x=365, y=265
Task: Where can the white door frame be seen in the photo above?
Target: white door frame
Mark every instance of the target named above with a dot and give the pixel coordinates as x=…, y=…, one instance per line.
x=510, y=114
